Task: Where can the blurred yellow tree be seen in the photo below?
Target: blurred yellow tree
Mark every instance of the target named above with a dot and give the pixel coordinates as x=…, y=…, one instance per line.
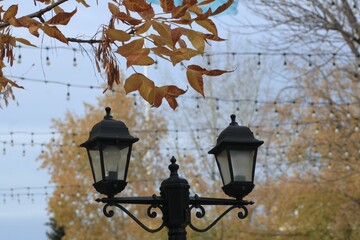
x=72, y=203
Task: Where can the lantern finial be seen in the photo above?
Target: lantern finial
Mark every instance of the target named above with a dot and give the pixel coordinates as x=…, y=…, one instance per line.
x=233, y=122
x=108, y=110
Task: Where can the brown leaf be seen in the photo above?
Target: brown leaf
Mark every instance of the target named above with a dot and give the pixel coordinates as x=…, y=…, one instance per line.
x=195, y=79
x=164, y=31
x=62, y=18
x=117, y=35
x=10, y=12
x=54, y=32
x=213, y=37
x=176, y=35
x=83, y=2
x=127, y=49
x=139, y=60
x=182, y=54
x=223, y=7
x=179, y=11
x=167, y=5
x=208, y=25
x=24, y=41
x=197, y=39
x=140, y=82
x=136, y=5
x=143, y=28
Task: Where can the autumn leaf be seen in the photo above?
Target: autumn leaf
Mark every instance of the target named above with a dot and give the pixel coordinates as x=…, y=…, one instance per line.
x=197, y=39
x=170, y=93
x=5, y=81
x=195, y=78
x=10, y=12
x=127, y=49
x=208, y=25
x=24, y=41
x=223, y=7
x=62, y=18
x=167, y=5
x=143, y=28
x=117, y=35
x=139, y=60
x=164, y=31
x=182, y=54
x=83, y=2
x=54, y=32
x=139, y=82
x=213, y=37
x=179, y=11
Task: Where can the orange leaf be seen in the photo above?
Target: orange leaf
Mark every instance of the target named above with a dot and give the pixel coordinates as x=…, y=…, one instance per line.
x=139, y=60
x=136, y=5
x=54, y=32
x=216, y=72
x=127, y=49
x=206, y=2
x=164, y=31
x=213, y=37
x=24, y=41
x=167, y=5
x=176, y=35
x=140, y=82
x=183, y=54
x=195, y=79
x=208, y=25
x=143, y=28
x=223, y=7
x=10, y=12
x=117, y=35
x=179, y=11
x=197, y=39
x=62, y=18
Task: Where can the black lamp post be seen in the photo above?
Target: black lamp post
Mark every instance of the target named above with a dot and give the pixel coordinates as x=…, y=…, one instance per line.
x=109, y=148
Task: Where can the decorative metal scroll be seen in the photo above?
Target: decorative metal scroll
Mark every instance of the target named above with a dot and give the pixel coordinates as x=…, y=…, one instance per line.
x=201, y=213
x=150, y=213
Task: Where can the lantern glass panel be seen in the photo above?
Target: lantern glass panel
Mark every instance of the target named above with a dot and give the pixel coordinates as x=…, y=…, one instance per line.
x=223, y=162
x=96, y=164
x=115, y=160
x=242, y=165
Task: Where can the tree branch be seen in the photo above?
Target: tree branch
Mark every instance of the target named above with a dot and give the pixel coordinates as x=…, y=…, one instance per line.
x=39, y=13
x=90, y=41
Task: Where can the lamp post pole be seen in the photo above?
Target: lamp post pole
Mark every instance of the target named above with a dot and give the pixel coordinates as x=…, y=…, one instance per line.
x=109, y=147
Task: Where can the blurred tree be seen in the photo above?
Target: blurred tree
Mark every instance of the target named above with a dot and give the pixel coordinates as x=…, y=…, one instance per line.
x=72, y=204
x=56, y=232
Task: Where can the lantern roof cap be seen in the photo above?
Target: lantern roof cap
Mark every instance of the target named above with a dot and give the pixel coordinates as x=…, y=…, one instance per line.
x=235, y=134
x=109, y=129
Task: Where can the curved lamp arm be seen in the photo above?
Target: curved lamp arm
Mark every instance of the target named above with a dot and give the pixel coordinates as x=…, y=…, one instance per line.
x=154, y=201
x=197, y=203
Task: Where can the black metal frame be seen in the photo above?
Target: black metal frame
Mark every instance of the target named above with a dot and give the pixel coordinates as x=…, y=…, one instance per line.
x=175, y=205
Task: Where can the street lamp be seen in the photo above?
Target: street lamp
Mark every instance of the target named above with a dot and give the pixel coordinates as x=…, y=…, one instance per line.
x=235, y=154
x=109, y=148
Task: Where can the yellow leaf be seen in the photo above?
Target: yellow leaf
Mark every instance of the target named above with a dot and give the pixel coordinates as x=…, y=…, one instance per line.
x=62, y=18
x=139, y=60
x=127, y=49
x=10, y=12
x=54, y=32
x=143, y=28
x=183, y=54
x=208, y=25
x=197, y=39
x=164, y=31
x=195, y=79
x=117, y=35
x=140, y=82
x=24, y=41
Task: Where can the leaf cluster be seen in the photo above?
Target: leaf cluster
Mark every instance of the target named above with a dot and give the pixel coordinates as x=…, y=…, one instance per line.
x=134, y=32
